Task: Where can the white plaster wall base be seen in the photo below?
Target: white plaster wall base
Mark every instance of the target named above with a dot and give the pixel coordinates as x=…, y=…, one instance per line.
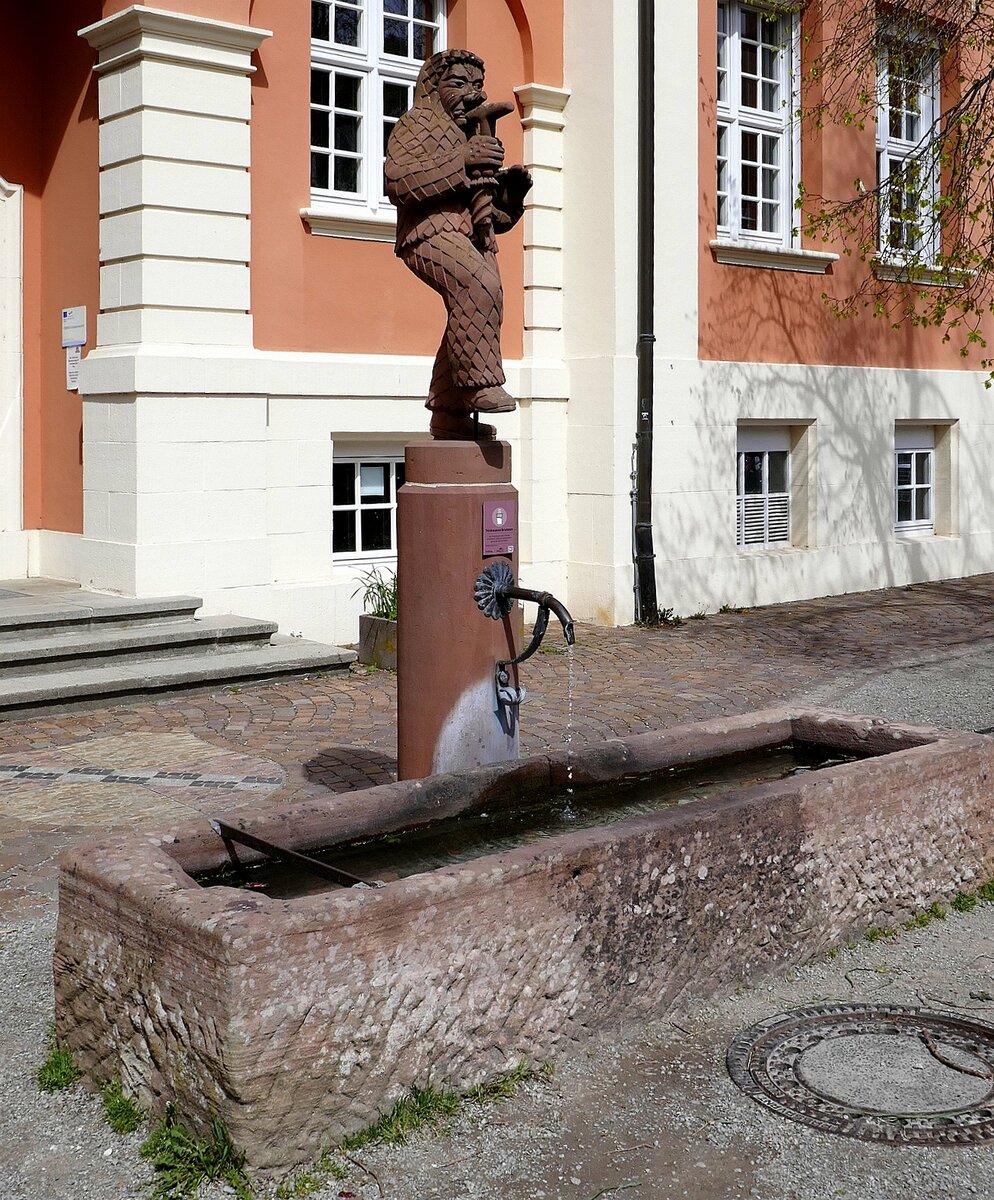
x=852, y=413
x=225, y=491
x=53, y=555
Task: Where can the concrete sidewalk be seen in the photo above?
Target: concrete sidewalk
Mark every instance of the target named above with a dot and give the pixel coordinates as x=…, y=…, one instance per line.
x=924, y=653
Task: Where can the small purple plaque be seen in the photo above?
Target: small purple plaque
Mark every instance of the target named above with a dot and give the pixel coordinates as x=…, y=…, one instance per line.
x=500, y=526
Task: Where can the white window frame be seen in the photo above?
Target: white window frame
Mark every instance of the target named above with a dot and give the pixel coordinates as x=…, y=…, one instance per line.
x=896, y=153
x=366, y=213
x=357, y=460
x=774, y=509
x=777, y=124
x=918, y=444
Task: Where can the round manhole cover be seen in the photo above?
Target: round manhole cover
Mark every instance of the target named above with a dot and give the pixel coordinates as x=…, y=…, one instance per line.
x=898, y=1075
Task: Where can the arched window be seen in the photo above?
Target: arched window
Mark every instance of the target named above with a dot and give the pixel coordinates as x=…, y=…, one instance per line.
x=365, y=59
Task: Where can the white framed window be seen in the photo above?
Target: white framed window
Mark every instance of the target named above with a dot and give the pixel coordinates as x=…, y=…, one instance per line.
x=364, y=506
x=756, y=128
x=914, y=481
x=365, y=59
x=762, y=493
x=907, y=164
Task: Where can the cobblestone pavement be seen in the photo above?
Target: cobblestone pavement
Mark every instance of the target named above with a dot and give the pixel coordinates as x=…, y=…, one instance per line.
x=75, y=776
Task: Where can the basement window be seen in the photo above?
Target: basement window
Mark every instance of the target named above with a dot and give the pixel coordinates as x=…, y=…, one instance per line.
x=762, y=494
x=364, y=507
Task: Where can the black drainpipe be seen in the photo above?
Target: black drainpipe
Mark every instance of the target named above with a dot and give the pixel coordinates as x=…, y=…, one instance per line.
x=646, y=609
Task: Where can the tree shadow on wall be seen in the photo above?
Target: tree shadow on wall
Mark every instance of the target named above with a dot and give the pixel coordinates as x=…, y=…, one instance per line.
x=851, y=414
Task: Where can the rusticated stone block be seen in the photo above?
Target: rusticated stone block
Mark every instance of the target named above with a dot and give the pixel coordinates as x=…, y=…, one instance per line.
x=298, y=1021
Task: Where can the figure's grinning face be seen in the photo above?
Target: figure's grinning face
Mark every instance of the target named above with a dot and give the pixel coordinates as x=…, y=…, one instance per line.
x=461, y=90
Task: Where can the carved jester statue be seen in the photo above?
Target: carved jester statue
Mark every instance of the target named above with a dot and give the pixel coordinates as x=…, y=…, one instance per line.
x=445, y=173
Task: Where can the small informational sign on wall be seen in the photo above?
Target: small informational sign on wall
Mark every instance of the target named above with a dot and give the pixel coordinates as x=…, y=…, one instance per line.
x=74, y=326
x=500, y=526
x=73, y=356
x=73, y=341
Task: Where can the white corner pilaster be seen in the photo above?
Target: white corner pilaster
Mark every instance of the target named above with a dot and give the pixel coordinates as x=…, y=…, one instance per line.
x=13, y=540
x=175, y=104
x=173, y=470
x=544, y=123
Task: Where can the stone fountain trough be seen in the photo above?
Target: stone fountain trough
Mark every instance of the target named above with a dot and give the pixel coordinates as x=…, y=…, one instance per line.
x=297, y=1021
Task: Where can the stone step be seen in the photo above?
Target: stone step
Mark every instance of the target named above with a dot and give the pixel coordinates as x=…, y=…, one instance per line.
x=88, y=686
x=35, y=650
x=84, y=609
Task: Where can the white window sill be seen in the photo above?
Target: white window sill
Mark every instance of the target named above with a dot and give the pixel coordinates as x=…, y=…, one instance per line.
x=358, y=224
x=920, y=531
x=775, y=258
x=919, y=276
x=359, y=558
x=777, y=548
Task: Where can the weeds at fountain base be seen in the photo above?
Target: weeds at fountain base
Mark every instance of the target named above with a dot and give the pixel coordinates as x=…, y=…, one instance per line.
x=183, y=1163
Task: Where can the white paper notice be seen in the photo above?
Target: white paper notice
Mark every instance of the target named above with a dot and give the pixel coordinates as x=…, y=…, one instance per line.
x=73, y=354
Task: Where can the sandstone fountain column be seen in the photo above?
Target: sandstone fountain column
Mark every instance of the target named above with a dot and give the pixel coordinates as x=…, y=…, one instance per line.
x=456, y=511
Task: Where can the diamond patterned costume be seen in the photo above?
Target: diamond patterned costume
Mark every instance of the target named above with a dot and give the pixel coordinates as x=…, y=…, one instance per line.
x=445, y=235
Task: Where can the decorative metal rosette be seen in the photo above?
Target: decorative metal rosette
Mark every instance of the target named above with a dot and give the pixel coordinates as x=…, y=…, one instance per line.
x=490, y=590
x=840, y=1068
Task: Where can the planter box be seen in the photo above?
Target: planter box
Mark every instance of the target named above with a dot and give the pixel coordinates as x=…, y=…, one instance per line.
x=377, y=642
x=298, y=1021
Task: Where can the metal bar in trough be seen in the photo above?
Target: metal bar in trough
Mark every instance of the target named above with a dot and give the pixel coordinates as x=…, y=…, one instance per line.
x=231, y=833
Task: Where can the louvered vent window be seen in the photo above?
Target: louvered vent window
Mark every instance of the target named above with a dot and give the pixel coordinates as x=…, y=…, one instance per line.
x=763, y=499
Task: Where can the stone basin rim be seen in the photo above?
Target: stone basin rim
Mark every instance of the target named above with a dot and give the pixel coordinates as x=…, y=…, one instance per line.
x=166, y=860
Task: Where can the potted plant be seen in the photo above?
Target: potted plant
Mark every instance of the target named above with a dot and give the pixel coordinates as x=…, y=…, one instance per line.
x=378, y=624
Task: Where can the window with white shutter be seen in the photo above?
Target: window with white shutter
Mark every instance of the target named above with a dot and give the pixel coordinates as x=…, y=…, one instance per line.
x=763, y=489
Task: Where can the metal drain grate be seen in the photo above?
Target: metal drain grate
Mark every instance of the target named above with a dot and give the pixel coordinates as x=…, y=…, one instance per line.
x=898, y=1075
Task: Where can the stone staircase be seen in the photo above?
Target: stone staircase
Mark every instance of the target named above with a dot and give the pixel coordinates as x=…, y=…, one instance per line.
x=62, y=647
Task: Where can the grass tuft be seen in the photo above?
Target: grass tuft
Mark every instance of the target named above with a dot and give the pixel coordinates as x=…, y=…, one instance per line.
x=183, y=1163
x=121, y=1113
x=986, y=892
x=966, y=902
x=327, y=1164
x=59, y=1070
x=879, y=935
x=427, y=1108
x=302, y=1184
x=503, y=1086
x=421, y=1108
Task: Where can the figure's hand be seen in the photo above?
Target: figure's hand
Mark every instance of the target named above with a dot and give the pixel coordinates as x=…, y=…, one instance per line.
x=514, y=183
x=484, y=152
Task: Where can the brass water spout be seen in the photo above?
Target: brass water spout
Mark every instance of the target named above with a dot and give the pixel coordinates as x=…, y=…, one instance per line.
x=545, y=601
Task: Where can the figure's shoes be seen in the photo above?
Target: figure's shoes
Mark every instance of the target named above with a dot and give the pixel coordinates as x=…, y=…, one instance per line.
x=447, y=427
x=491, y=400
